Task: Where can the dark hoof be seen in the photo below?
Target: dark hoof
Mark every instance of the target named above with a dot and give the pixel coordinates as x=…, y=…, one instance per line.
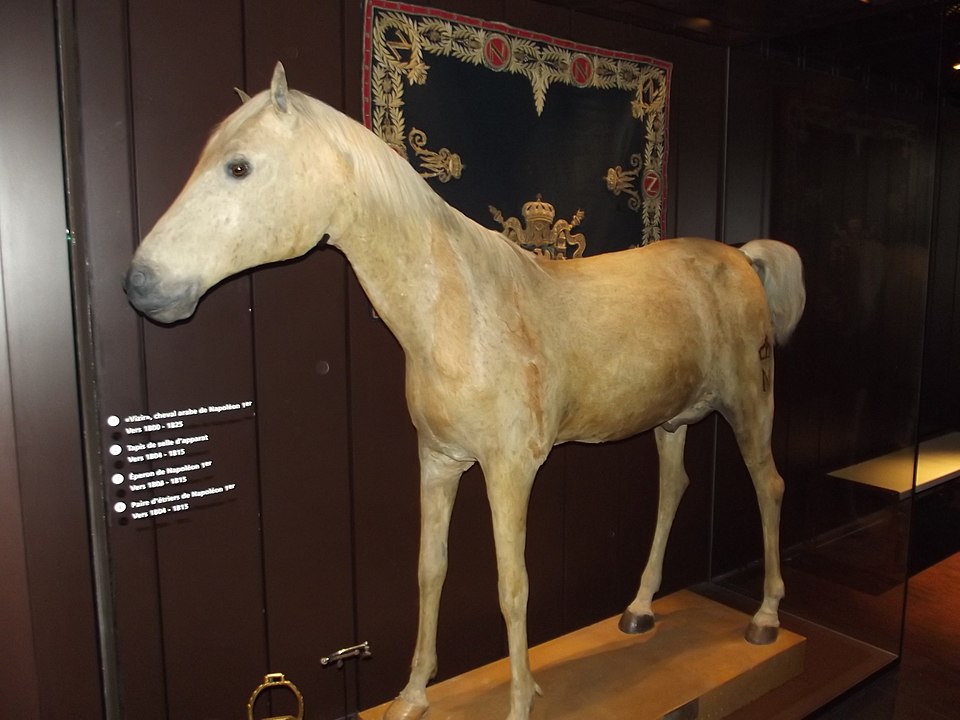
x=760, y=634
x=635, y=624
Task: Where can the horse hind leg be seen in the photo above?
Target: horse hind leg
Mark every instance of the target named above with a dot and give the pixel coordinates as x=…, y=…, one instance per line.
x=638, y=617
x=439, y=481
x=753, y=431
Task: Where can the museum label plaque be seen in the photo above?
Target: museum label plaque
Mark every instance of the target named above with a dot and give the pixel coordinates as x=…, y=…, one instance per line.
x=164, y=462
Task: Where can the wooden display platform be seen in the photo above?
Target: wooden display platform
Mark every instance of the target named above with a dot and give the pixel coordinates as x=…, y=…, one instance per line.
x=694, y=664
x=937, y=461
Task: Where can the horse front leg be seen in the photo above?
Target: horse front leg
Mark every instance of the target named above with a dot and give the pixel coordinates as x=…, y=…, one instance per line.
x=638, y=617
x=508, y=490
x=439, y=480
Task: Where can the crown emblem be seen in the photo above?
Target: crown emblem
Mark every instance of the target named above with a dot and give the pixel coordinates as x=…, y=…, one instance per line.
x=538, y=210
x=538, y=232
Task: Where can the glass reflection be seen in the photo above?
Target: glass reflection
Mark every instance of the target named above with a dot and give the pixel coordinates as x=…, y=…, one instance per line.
x=844, y=124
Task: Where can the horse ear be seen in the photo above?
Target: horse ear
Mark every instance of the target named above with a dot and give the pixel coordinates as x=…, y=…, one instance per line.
x=243, y=96
x=278, y=88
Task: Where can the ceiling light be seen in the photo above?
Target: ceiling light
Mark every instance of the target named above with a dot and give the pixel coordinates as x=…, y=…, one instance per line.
x=700, y=24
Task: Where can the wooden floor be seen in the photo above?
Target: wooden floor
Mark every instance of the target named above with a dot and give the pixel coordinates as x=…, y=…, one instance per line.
x=925, y=685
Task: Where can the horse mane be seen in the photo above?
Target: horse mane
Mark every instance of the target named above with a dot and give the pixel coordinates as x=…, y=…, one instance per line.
x=395, y=190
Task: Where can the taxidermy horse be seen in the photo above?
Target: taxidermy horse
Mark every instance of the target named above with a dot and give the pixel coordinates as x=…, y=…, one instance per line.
x=657, y=337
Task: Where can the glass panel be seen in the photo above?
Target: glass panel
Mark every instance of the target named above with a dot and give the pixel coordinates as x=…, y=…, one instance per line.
x=832, y=146
x=927, y=676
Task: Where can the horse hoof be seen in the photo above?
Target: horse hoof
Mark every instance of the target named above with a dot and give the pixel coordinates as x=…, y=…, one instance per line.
x=401, y=709
x=635, y=624
x=761, y=634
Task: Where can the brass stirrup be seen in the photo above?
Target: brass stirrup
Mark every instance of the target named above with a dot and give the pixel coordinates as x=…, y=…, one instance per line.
x=272, y=681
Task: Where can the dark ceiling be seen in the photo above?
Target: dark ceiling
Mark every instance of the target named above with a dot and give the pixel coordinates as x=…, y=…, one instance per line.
x=912, y=40
x=735, y=22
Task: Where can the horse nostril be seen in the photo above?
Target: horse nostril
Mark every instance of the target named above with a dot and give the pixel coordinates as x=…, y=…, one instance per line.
x=140, y=281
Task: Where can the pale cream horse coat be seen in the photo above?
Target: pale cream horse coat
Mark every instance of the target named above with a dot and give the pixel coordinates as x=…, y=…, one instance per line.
x=651, y=338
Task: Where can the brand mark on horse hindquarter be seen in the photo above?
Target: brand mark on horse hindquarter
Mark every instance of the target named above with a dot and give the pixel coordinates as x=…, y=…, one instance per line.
x=765, y=352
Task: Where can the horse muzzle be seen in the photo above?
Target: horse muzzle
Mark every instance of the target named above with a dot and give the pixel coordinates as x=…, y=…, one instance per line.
x=158, y=298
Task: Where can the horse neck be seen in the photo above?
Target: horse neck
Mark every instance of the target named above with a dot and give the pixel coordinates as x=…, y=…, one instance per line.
x=413, y=254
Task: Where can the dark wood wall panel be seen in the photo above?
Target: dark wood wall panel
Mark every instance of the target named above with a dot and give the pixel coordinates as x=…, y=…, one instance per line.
x=42, y=457
x=19, y=681
x=302, y=398
x=749, y=153
x=611, y=496
x=191, y=593
x=386, y=491
x=185, y=59
x=19, y=677
x=303, y=443
x=108, y=233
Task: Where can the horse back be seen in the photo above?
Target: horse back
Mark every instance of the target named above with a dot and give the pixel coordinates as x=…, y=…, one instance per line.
x=644, y=336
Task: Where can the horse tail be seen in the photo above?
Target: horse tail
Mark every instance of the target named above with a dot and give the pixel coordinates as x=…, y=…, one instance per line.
x=781, y=272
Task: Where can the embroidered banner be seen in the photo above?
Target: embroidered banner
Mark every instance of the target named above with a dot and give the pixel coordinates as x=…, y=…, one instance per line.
x=516, y=128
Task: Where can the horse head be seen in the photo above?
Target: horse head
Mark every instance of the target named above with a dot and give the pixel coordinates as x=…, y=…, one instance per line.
x=262, y=191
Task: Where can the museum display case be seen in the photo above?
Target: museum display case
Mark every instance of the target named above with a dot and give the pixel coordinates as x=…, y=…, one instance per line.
x=251, y=475
x=852, y=171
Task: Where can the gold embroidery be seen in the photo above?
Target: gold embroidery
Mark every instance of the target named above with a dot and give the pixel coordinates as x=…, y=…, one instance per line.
x=540, y=234
x=400, y=40
x=651, y=93
x=649, y=105
x=442, y=164
x=620, y=181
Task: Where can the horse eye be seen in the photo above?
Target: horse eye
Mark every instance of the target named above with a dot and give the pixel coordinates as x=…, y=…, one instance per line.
x=238, y=168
